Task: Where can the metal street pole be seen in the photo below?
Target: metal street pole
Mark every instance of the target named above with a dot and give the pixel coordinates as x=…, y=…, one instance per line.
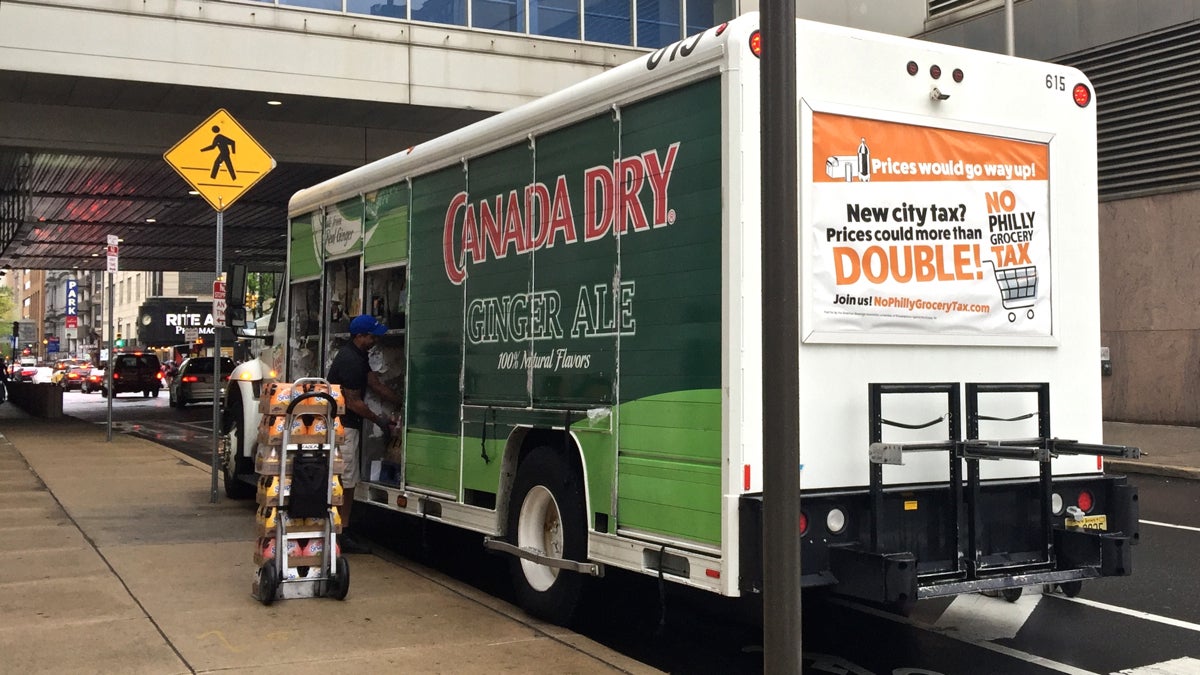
x=216, y=426
x=1009, y=33
x=782, y=648
x=108, y=388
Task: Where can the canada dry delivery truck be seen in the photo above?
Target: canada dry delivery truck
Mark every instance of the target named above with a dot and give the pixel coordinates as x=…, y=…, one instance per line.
x=573, y=290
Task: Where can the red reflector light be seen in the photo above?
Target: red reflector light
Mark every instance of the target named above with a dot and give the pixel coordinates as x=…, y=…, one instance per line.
x=912, y=68
x=1085, y=501
x=1082, y=95
x=957, y=75
x=712, y=574
x=721, y=28
x=935, y=71
x=116, y=376
x=756, y=43
x=803, y=523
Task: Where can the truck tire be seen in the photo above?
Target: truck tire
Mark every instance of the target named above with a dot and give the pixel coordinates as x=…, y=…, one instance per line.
x=232, y=461
x=546, y=514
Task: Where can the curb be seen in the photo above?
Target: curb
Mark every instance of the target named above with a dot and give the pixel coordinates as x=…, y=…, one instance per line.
x=1129, y=466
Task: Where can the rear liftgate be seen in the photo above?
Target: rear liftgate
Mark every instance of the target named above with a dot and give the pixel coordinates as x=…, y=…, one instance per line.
x=983, y=536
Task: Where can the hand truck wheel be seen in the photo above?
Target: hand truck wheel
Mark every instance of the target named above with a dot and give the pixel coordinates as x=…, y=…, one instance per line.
x=339, y=583
x=268, y=583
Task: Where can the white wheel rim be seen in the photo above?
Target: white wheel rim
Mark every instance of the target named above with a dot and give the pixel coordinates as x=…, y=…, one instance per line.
x=539, y=528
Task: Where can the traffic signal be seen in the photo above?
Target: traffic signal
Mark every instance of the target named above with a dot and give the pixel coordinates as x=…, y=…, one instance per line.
x=16, y=328
x=120, y=342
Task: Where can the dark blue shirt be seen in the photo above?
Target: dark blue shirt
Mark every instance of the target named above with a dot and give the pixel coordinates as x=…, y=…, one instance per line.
x=349, y=369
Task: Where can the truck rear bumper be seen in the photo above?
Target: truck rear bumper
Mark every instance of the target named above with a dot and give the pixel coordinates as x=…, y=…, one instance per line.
x=926, y=552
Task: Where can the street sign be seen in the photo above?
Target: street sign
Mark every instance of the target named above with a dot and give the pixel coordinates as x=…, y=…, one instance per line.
x=220, y=159
x=191, y=334
x=219, y=303
x=113, y=241
x=72, y=299
x=72, y=321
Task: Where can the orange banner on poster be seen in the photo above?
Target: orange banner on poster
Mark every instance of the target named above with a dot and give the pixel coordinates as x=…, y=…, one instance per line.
x=856, y=149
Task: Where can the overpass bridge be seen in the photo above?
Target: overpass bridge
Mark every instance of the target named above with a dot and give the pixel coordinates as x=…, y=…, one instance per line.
x=93, y=92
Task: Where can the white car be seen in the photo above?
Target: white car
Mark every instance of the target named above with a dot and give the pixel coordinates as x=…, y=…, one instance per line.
x=42, y=374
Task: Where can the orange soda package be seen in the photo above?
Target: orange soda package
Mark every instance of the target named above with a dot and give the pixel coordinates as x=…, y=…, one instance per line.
x=277, y=396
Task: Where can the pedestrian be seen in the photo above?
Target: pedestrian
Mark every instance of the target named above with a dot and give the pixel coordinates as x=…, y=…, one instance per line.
x=352, y=370
x=3, y=380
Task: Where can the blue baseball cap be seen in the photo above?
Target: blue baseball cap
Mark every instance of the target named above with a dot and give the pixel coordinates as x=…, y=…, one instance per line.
x=364, y=324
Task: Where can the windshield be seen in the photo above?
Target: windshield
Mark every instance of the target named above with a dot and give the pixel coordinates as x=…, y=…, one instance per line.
x=204, y=364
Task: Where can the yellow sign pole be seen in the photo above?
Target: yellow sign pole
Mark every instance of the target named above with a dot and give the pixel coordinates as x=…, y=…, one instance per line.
x=221, y=160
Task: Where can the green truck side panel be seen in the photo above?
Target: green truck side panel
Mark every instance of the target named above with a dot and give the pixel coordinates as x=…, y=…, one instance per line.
x=673, y=498
x=491, y=181
x=566, y=268
x=669, y=462
x=435, y=320
x=386, y=225
x=669, y=322
x=351, y=212
x=302, y=257
x=431, y=460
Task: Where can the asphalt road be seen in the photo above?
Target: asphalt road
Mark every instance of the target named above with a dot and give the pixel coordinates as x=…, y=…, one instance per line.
x=1145, y=624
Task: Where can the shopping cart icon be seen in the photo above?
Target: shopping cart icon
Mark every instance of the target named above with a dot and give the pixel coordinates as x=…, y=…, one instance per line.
x=1018, y=288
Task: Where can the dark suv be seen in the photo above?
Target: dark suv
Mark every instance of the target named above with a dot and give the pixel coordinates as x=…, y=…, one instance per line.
x=135, y=371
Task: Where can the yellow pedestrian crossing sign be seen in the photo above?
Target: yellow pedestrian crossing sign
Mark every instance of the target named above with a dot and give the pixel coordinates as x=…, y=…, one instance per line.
x=220, y=159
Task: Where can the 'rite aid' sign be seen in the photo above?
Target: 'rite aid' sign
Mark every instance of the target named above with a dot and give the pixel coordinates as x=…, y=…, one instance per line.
x=72, y=297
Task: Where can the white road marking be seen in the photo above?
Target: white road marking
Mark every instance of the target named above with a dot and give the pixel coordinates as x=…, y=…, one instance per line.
x=980, y=617
x=1177, y=527
x=1182, y=666
x=1178, y=623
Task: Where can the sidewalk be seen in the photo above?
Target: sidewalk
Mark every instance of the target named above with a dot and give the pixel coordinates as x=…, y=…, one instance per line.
x=115, y=561
x=1166, y=450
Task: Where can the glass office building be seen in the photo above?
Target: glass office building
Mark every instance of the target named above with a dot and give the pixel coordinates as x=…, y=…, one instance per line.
x=639, y=23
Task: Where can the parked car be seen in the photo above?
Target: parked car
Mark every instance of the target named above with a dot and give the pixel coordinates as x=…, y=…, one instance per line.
x=41, y=375
x=94, y=381
x=135, y=371
x=71, y=377
x=194, y=381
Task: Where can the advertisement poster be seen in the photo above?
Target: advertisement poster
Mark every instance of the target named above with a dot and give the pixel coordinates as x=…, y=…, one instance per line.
x=928, y=232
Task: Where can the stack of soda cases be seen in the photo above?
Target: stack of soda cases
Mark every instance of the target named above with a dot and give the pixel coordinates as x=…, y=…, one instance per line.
x=305, y=553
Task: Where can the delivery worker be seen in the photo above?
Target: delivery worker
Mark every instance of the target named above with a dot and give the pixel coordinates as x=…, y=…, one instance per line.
x=351, y=369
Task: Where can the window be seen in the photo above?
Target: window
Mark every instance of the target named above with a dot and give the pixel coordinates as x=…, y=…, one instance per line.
x=453, y=12
x=606, y=21
x=394, y=9
x=499, y=15
x=658, y=22
x=195, y=283
x=335, y=5
x=704, y=14
x=554, y=18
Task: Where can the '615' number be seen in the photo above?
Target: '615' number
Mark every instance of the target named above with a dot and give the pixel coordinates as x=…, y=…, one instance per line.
x=1057, y=82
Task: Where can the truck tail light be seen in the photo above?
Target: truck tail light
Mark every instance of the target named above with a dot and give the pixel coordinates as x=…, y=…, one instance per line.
x=1082, y=95
x=756, y=43
x=1085, y=501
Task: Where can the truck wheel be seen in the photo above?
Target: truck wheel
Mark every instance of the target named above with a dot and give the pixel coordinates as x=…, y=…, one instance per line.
x=546, y=514
x=1071, y=588
x=1012, y=594
x=232, y=461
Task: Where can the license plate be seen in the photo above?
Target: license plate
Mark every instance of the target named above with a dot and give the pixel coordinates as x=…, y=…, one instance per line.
x=1089, y=523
